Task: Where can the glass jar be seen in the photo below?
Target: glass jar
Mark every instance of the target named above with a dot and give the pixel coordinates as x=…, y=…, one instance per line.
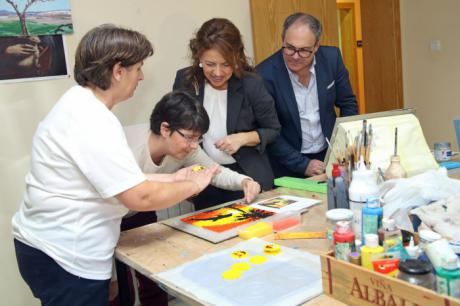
x=417, y=273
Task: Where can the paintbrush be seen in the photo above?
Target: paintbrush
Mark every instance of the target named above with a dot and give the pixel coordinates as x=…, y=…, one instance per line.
x=396, y=141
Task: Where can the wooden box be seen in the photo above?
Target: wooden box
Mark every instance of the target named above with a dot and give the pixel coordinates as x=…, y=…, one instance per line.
x=355, y=285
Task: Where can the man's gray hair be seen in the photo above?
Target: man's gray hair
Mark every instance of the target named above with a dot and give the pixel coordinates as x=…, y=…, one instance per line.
x=305, y=19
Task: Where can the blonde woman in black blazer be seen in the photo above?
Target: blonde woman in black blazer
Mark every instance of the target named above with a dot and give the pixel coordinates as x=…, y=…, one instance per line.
x=222, y=79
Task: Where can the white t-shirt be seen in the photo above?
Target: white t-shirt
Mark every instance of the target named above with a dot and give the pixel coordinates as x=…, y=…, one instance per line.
x=80, y=161
x=138, y=136
x=215, y=103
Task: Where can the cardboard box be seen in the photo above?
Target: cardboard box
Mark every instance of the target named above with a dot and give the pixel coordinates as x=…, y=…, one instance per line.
x=355, y=285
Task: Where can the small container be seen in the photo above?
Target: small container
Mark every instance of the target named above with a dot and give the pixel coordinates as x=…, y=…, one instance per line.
x=371, y=217
x=412, y=250
x=439, y=250
x=344, y=240
x=417, y=273
x=333, y=216
x=285, y=220
x=455, y=246
x=362, y=186
x=354, y=258
x=442, y=151
x=448, y=278
x=427, y=237
x=395, y=170
x=371, y=248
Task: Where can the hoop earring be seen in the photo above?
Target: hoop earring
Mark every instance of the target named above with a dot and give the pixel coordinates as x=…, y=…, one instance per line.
x=200, y=65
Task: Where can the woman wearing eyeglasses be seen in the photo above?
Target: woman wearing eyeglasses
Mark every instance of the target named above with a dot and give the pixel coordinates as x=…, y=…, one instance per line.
x=168, y=150
x=242, y=115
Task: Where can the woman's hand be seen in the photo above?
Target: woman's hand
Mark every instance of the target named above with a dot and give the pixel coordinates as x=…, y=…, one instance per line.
x=230, y=143
x=233, y=142
x=251, y=189
x=203, y=177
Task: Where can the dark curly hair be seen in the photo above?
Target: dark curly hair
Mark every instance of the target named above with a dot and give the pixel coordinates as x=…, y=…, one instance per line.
x=220, y=34
x=104, y=46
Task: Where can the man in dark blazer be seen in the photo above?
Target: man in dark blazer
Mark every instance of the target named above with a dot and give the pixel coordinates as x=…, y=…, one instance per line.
x=306, y=80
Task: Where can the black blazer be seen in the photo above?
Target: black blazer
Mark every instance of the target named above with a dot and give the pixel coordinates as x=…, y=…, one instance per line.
x=334, y=89
x=249, y=108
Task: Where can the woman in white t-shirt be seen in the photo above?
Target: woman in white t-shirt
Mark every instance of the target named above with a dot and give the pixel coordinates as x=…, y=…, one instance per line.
x=243, y=119
x=84, y=178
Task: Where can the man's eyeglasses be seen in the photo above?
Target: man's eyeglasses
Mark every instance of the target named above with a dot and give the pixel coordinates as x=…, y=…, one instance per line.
x=190, y=139
x=303, y=52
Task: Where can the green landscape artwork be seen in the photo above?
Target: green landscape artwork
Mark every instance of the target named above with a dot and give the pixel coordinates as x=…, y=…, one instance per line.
x=35, y=17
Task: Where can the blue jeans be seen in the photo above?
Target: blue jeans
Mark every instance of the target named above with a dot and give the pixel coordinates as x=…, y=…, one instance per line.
x=53, y=285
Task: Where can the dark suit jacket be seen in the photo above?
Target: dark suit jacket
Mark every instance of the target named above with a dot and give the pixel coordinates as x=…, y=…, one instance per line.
x=334, y=89
x=249, y=108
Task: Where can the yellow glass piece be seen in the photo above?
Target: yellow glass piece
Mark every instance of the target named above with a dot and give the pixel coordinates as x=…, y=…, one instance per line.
x=256, y=230
x=241, y=266
x=231, y=274
x=239, y=254
x=257, y=259
x=197, y=168
x=272, y=249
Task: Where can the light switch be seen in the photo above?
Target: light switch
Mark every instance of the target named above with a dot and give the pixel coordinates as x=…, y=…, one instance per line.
x=435, y=45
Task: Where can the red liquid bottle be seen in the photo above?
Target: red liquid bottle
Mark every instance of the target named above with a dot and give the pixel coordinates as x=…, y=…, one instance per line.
x=344, y=240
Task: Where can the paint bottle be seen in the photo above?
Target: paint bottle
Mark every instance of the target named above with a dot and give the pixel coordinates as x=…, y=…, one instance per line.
x=363, y=185
x=372, y=215
x=372, y=247
x=395, y=170
x=392, y=238
x=337, y=193
x=448, y=278
x=439, y=250
x=413, y=251
x=344, y=240
x=426, y=237
x=333, y=216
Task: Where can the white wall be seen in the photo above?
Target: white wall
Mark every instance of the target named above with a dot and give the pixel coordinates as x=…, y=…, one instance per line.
x=431, y=79
x=169, y=24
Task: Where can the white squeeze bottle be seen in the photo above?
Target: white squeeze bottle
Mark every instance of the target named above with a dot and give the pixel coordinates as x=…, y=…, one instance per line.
x=363, y=185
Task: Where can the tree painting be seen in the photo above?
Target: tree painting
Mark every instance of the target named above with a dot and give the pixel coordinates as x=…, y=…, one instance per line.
x=22, y=15
x=35, y=17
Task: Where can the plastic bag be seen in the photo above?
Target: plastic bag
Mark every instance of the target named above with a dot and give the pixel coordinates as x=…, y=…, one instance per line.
x=401, y=195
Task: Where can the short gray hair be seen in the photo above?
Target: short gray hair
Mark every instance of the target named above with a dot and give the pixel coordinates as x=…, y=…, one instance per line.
x=305, y=19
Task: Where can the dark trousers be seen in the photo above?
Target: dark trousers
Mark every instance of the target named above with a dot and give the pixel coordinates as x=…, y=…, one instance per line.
x=280, y=170
x=149, y=292
x=53, y=285
x=212, y=196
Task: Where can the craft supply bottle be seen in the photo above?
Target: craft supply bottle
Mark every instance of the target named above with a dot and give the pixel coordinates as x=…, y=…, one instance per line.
x=439, y=250
x=362, y=186
x=417, y=273
x=372, y=247
x=333, y=216
x=344, y=240
x=392, y=238
x=395, y=170
x=337, y=193
x=413, y=251
x=448, y=278
x=372, y=215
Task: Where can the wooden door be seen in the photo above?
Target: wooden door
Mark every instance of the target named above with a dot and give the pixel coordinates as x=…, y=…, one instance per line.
x=268, y=17
x=382, y=55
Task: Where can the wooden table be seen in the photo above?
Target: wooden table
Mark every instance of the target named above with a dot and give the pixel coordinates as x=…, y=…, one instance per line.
x=156, y=248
